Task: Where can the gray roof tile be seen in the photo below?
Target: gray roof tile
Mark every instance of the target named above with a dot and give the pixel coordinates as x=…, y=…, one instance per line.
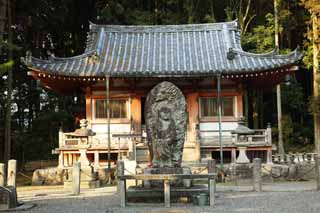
x=194, y=49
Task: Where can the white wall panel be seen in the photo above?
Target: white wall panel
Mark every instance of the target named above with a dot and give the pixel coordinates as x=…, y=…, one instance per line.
x=114, y=128
x=214, y=126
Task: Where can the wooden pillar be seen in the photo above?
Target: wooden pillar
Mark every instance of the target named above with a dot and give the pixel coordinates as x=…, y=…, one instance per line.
x=70, y=159
x=136, y=115
x=246, y=107
x=60, y=165
x=269, y=156
x=239, y=107
x=255, y=110
x=193, y=122
x=65, y=159
x=96, y=159
x=88, y=104
x=233, y=155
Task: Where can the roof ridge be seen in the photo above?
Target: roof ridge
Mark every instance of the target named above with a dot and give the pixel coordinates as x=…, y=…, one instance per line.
x=231, y=25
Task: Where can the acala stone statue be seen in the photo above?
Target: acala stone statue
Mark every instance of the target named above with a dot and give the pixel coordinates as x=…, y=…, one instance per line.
x=166, y=119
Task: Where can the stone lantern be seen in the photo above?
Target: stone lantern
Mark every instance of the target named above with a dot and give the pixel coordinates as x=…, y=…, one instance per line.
x=88, y=177
x=242, y=140
x=83, y=134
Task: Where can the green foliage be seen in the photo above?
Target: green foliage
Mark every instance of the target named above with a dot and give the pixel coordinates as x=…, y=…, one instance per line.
x=313, y=8
x=43, y=137
x=261, y=39
x=5, y=67
x=294, y=100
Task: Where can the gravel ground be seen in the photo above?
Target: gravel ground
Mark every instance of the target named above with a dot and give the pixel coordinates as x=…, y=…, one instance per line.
x=277, y=197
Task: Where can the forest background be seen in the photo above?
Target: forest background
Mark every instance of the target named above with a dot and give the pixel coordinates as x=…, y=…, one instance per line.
x=59, y=27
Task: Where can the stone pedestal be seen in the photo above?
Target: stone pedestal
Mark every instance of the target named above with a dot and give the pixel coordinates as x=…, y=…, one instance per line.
x=88, y=178
x=242, y=158
x=8, y=198
x=167, y=170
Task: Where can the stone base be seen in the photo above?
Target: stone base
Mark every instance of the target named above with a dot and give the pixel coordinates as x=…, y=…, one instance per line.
x=83, y=184
x=48, y=176
x=143, y=194
x=8, y=197
x=166, y=171
x=87, y=174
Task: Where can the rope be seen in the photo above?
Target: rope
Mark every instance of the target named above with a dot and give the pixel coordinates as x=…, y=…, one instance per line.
x=201, y=170
x=129, y=171
x=25, y=175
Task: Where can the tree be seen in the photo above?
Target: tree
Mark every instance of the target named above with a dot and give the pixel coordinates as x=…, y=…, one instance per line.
x=313, y=35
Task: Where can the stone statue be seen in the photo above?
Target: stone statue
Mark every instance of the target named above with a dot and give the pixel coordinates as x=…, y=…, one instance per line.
x=166, y=119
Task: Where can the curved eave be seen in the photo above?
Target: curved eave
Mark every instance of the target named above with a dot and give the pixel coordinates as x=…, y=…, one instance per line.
x=248, y=64
x=230, y=75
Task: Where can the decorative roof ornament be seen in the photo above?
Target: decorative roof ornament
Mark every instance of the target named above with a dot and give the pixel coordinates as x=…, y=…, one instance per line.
x=231, y=54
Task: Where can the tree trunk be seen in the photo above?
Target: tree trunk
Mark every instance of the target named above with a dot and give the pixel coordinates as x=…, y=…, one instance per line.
x=7, y=149
x=279, y=109
x=315, y=81
x=3, y=16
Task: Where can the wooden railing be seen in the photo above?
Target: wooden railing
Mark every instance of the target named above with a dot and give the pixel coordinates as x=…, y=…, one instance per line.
x=210, y=138
x=294, y=158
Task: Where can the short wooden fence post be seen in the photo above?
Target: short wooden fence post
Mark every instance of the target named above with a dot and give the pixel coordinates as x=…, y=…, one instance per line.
x=2, y=174
x=257, y=181
x=76, y=173
x=212, y=182
x=12, y=173
x=166, y=193
x=121, y=184
x=317, y=169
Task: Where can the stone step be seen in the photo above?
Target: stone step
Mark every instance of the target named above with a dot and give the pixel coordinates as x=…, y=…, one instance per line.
x=157, y=192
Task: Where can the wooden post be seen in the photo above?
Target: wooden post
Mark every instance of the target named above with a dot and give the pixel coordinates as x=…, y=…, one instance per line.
x=96, y=159
x=12, y=173
x=60, y=164
x=108, y=121
x=212, y=182
x=166, y=184
x=121, y=184
x=257, y=183
x=76, y=178
x=2, y=174
x=269, y=156
x=317, y=164
x=219, y=119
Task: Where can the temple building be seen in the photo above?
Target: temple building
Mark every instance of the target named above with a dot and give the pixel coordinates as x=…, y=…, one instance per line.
x=126, y=62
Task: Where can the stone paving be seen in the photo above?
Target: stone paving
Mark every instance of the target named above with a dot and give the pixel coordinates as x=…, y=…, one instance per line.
x=276, y=197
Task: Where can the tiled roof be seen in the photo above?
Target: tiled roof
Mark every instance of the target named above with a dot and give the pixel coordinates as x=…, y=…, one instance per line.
x=195, y=49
